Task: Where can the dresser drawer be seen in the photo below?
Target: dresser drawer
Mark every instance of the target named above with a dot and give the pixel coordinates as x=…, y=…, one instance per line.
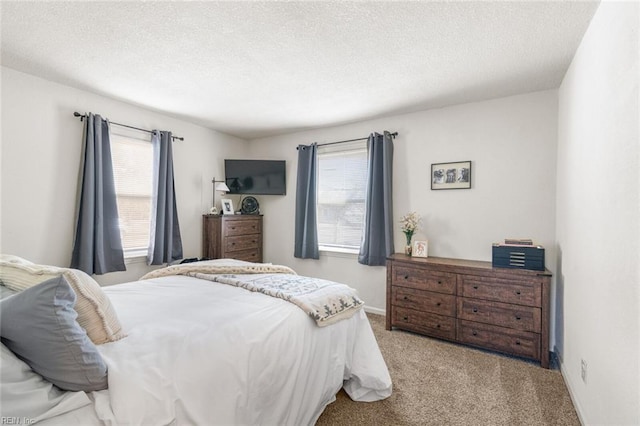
x=242, y=227
x=471, y=302
x=241, y=243
x=436, y=303
x=441, y=282
x=424, y=322
x=232, y=236
x=248, y=255
x=503, y=314
x=509, y=291
x=502, y=339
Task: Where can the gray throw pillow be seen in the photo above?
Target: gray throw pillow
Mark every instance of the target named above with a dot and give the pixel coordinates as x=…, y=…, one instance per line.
x=39, y=326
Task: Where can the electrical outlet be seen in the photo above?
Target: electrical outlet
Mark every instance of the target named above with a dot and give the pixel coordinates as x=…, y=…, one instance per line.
x=583, y=370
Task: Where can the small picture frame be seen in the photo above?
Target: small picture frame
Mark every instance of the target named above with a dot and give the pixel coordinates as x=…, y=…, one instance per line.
x=456, y=175
x=420, y=248
x=227, y=206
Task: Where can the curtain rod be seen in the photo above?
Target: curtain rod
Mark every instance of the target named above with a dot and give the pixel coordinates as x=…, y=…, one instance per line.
x=82, y=116
x=393, y=135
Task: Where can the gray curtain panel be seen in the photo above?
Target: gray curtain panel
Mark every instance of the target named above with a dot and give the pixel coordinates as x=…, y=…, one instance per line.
x=377, y=235
x=97, y=248
x=306, y=237
x=165, y=243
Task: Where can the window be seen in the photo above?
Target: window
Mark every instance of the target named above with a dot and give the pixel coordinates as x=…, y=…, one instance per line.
x=133, y=174
x=342, y=186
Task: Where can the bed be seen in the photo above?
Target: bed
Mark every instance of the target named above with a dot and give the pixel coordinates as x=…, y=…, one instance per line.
x=193, y=350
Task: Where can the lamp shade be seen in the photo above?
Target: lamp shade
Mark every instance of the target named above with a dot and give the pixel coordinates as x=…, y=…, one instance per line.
x=221, y=186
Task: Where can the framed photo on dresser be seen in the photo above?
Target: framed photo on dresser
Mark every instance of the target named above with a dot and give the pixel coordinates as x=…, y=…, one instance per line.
x=420, y=248
x=227, y=206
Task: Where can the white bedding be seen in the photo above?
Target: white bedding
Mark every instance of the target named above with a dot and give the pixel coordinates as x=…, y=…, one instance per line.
x=205, y=353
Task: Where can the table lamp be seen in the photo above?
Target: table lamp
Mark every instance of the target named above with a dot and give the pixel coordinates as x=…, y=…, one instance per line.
x=218, y=185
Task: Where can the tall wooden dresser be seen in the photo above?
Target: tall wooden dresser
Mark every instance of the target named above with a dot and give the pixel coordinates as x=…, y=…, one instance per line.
x=471, y=302
x=232, y=236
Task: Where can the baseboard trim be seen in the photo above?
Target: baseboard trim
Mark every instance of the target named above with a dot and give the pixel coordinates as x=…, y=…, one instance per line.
x=376, y=311
x=567, y=383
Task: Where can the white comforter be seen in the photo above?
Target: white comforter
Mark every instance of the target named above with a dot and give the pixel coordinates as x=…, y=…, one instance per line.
x=205, y=353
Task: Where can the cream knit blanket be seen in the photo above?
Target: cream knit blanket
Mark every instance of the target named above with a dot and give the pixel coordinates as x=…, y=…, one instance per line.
x=326, y=302
x=209, y=267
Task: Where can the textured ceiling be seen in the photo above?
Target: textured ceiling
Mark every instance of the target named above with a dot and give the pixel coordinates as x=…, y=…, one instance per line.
x=254, y=69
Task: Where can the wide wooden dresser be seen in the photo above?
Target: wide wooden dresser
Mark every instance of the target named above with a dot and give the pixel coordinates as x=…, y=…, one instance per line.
x=471, y=302
x=232, y=236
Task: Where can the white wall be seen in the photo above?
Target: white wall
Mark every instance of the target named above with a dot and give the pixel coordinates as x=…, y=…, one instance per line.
x=511, y=143
x=41, y=149
x=598, y=219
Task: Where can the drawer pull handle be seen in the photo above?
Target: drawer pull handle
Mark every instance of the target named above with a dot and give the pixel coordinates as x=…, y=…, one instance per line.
x=518, y=317
x=518, y=292
x=439, y=282
x=475, y=309
x=405, y=318
x=406, y=298
x=438, y=304
x=406, y=277
x=475, y=287
x=438, y=326
x=518, y=342
x=475, y=333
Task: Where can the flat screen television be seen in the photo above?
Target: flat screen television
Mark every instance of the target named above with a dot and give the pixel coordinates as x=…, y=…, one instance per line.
x=255, y=177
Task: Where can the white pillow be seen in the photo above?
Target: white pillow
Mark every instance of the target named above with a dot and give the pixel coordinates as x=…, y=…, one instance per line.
x=14, y=259
x=25, y=394
x=95, y=312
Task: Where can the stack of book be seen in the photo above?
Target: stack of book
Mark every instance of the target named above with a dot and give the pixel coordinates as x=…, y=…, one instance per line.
x=517, y=242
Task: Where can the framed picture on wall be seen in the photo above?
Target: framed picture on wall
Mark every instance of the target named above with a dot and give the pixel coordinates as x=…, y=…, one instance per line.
x=227, y=206
x=455, y=175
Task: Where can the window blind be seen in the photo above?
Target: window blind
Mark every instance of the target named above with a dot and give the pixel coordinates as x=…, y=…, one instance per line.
x=133, y=174
x=342, y=177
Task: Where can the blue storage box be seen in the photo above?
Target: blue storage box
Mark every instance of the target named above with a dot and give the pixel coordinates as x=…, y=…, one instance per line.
x=522, y=257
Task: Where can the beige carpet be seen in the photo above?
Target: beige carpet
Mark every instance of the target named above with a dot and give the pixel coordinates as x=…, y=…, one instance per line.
x=441, y=383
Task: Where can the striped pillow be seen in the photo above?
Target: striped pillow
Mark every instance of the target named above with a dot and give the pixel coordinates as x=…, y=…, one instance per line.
x=95, y=312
